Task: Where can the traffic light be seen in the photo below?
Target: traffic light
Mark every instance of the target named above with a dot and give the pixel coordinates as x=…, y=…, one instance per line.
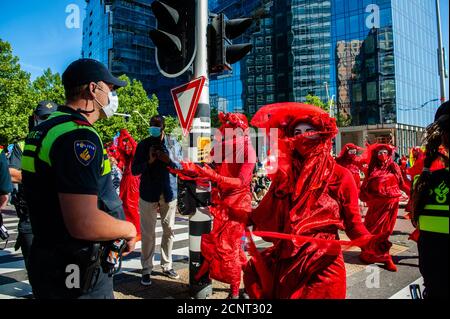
x=221, y=51
x=189, y=199
x=174, y=37
x=187, y=204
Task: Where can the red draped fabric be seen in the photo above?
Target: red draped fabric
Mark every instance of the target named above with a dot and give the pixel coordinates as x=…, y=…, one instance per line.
x=381, y=190
x=231, y=201
x=351, y=162
x=129, y=185
x=310, y=196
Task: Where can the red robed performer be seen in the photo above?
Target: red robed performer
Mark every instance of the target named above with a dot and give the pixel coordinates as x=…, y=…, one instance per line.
x=349, y=159
x=235, y=160
x=381, y=190
x=129, y=185
x=310, y=199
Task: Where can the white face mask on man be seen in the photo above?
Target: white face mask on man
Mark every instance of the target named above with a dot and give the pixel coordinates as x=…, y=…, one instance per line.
x=113, y=104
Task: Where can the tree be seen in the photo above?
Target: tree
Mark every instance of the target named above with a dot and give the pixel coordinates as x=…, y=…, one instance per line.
x=172, y=126
x=315, y=100
x=48, y=87
x=215, y=123
x=16, y=97
x=133, y=101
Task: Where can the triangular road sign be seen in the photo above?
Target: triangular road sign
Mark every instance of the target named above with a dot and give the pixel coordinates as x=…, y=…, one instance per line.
x=185, y=98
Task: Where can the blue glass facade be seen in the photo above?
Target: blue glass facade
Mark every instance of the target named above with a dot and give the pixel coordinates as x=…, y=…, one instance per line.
x=378, y=58
x=416, y=65
x=116, y=32
x=385, y=66
x=238, y=90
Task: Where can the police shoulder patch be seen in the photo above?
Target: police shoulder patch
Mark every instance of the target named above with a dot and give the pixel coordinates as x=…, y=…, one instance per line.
x=85, y=151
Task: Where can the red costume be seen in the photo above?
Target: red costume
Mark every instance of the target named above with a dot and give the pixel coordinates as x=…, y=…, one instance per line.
x=129, y=185
x=381, y=190
x=231, y=203
x=418, y=157
x=310, y=199
x=349, y=159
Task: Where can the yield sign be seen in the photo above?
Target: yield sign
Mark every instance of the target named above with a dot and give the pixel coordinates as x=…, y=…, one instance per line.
x=185, y=98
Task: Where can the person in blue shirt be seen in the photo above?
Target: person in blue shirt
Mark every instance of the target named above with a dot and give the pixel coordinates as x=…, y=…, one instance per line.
x=5, y=179
x=158, y=193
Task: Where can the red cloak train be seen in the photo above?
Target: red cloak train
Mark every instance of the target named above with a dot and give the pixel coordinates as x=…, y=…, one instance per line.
x=310, y=199
x=234, y=161
x=381, y=190
x=129, y=185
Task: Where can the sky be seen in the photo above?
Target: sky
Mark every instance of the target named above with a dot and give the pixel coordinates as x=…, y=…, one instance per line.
x=40, y=37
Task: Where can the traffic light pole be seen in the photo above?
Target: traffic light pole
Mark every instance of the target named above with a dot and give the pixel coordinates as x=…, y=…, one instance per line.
x=200, y=222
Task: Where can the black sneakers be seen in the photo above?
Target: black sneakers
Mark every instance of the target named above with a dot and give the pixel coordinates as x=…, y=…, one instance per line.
x=146, y=280
x=171, y=274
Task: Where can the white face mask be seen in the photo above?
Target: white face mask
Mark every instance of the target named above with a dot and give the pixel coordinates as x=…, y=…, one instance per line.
x=112, y=106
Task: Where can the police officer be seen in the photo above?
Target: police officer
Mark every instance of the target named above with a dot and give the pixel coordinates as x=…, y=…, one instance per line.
x=74, y=211
x=431, y=209
x=5, y=179
x=25, y=235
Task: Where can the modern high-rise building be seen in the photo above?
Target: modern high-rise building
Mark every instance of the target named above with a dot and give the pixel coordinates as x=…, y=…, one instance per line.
x=375, y=58
x=240, y=90
x=384, y=70
x=116, y=32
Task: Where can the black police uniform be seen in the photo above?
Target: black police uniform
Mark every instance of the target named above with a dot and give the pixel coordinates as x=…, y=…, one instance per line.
x=25, y=233
x=5, y=178
x=433, y=238
x=64, y=155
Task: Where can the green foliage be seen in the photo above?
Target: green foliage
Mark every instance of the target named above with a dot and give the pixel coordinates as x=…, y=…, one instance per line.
x=343, y=119
x=133, y=100
x=315, y=100
x=16, y=97
x=48, y=87
x=172, y=126
x=215, y=118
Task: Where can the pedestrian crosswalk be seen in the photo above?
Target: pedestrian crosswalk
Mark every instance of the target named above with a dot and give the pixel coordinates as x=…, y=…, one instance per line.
x=13, y=277
x=14, y=280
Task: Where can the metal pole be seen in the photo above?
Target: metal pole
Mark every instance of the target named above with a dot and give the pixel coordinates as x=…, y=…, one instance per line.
x=200, y=222
x=440, y=53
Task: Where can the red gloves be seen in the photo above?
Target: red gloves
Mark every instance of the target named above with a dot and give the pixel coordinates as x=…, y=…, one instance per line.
x=209, y=173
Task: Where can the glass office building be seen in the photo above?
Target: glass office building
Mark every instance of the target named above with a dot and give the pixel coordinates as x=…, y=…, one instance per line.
x=384, y=69
x=116, y=32
x=251, y=82
x=377, y=57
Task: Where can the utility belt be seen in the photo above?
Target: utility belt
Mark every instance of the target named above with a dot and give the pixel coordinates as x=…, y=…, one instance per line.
x=91, y=258
x=19, y=203
x=106, y=257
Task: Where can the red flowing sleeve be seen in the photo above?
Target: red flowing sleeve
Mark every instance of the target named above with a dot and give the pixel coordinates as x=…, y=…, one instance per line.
x=344, y=189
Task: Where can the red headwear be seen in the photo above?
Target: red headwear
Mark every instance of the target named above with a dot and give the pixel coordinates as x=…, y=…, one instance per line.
x=306, y=176
x=344, y=152
x=370, y=156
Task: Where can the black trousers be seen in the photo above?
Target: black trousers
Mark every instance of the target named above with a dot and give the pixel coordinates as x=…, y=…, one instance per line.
x=48, y=278
x=24, y=238
x=433, y=264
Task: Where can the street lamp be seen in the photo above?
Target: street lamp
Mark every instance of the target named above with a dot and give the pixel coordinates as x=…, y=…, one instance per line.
x=141, y=116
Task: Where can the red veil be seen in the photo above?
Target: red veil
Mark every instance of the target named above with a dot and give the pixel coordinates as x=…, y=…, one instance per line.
x=353, y=163
x=310, y=199
x=234, y=163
